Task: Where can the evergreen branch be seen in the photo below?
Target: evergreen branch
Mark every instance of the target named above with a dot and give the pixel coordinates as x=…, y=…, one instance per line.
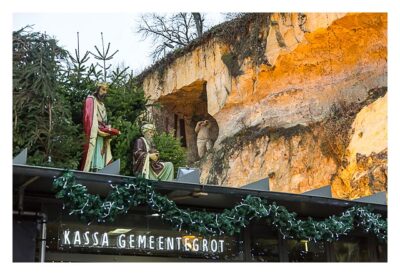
x=139, y=191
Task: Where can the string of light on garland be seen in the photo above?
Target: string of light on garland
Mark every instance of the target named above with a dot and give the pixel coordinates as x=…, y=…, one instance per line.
x=139, y=191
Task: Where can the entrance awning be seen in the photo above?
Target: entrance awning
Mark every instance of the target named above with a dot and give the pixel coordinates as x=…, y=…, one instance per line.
x=38, y=182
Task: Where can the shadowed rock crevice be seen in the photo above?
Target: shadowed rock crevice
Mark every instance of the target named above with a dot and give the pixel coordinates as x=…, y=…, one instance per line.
x=181, y=110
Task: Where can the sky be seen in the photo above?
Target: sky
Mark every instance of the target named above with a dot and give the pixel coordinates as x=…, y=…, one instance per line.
x=118, y=28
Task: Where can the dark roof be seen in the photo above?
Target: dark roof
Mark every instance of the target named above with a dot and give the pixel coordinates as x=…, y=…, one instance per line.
x=219, y=197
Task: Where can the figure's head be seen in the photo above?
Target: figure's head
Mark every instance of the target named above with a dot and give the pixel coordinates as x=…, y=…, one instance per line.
x=206, y=122
x=148, y=130
x=101, y=91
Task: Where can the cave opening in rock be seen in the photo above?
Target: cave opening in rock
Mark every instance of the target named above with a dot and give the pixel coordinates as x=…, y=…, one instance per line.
x=179, y=113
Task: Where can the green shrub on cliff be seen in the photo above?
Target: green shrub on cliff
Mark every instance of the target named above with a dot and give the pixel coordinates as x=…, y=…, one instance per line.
x=170, y=150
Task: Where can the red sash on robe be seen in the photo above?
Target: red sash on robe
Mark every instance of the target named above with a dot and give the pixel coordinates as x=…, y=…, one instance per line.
x=88, y=110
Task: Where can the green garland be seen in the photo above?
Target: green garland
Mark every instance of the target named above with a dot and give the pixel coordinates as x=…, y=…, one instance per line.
x=139, y=191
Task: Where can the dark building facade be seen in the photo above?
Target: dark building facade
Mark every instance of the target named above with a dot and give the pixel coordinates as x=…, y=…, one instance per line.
x=44, y=230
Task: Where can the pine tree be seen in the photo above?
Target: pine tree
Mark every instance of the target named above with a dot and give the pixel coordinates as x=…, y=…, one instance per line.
x=104, y=56
x=41, y=114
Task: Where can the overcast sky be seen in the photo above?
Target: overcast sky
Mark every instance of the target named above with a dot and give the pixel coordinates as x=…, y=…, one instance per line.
x=117, y=28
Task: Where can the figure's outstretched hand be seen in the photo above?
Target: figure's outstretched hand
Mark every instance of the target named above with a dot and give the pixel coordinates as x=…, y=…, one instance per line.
x=154, y=156
x=103, y=134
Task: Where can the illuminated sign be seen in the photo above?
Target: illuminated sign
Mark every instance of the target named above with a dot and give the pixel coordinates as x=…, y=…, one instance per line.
x=128, y=239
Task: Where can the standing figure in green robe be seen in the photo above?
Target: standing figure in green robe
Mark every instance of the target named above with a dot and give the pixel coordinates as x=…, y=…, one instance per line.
x=98, y=134
x=146, y=157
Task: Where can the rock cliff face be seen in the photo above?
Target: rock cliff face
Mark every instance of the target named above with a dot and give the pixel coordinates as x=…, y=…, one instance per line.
x=366, y=154
x=299, y=98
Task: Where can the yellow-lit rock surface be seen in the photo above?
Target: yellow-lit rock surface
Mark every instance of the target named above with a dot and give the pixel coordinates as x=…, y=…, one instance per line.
x=316, y=62
x=366, y=172
x=293, y=164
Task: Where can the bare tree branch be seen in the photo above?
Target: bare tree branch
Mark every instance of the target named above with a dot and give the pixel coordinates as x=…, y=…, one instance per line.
x=169, y=32
x=198, y=20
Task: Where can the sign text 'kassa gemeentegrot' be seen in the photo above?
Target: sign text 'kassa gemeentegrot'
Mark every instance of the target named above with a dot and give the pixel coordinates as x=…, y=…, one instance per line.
x=72, y=238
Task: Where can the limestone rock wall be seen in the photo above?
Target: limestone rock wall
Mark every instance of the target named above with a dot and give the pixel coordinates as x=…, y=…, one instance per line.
x=365, y=172
x=291, y=159
x=295, y=117
x=339, y=63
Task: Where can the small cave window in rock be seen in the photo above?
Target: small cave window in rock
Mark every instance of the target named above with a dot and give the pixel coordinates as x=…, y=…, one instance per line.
x=181, y=111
